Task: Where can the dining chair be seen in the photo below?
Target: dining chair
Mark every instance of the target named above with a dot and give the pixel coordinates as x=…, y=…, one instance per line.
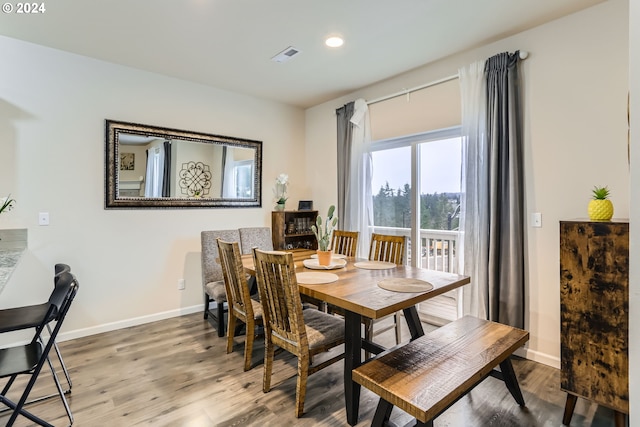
x=344, y=242
x=386, y=248
x=241, y=305
x=29, y=317
x=304, y=333
x=255, y=237
x=29, y=359
x=212, y=276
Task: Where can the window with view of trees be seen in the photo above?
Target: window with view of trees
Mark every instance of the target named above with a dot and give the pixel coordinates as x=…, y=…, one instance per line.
x=435, y=160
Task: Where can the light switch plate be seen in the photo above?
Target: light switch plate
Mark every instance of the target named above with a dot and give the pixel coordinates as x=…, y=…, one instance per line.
x=43, y=218
x=536, y=219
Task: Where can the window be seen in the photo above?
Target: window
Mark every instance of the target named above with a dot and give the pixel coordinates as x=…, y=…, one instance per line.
x=243, y=178
x=416, y=193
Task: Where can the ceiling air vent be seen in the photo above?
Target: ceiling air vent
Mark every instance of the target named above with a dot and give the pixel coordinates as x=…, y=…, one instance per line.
x=286, y=54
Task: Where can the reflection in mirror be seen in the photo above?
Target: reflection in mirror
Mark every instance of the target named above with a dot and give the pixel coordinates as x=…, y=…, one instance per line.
x=156, y=167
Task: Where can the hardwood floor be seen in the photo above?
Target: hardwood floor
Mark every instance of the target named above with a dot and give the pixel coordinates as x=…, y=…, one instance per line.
x=176, y=372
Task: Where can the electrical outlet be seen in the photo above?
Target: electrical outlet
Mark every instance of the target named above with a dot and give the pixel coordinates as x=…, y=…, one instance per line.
x=180, y=284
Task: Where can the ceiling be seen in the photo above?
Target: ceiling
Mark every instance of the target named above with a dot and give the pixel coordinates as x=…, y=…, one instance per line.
x=228, y=44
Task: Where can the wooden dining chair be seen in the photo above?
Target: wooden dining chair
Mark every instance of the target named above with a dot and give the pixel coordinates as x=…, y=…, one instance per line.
x=240, y=304
x=344, y=242
x=304, y=333
x=389, y=249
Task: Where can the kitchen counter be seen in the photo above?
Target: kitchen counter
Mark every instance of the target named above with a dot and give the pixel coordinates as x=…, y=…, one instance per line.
x=13, y=243
x=9, y=259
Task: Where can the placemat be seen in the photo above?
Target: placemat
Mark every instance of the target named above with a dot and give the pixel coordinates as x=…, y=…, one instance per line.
x=316, y=278
x=335, y=263
x=405, y=284
x=375, y=265
x=333, y=256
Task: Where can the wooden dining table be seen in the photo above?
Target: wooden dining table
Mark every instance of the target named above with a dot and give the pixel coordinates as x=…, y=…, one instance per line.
x=357, y=292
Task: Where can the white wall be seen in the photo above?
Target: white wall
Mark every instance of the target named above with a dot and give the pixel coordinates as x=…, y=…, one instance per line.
x=52, y=110
x=575, y=102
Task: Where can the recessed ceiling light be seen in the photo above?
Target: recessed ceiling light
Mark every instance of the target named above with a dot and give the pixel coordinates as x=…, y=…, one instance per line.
x=334, y=41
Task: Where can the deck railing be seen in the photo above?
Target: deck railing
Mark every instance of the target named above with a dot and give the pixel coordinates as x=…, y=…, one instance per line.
x=438, y=247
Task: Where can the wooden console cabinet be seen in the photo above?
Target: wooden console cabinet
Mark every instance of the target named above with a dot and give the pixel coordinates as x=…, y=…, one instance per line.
x=594, y=304
x=292, y=230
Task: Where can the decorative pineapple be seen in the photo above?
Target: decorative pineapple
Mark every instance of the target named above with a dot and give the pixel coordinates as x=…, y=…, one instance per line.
x=600, y=208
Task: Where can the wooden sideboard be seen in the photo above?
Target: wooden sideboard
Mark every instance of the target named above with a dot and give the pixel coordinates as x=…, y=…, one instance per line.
x=594, y=304
x=292, y=230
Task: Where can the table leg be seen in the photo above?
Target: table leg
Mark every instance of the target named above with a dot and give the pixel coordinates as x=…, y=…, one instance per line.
x=413, y=321
x=352, y=359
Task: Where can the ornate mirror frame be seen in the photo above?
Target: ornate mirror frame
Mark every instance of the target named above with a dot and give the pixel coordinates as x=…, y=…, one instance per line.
x=114, y=130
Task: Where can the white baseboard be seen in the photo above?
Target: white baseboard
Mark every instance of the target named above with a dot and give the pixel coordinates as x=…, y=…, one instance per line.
x=121, y=324
x=539, y=357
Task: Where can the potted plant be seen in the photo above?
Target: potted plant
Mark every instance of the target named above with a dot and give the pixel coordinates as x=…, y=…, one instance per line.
x=600, y=207
x=6, y=203
x=324, y=235
x=280, y=191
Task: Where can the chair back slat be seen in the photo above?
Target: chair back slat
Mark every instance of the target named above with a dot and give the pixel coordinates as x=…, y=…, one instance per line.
x=387, y=248
x=344, y=242
x=238, y=295
x=280, y=297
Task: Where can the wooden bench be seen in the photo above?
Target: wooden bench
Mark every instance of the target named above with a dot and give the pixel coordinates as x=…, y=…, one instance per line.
x=429, y=374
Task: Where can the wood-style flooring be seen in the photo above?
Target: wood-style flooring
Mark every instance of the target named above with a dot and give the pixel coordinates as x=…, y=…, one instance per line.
x=176, y=372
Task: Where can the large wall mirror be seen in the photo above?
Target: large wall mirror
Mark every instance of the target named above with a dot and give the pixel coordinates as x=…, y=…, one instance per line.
x=156, y=167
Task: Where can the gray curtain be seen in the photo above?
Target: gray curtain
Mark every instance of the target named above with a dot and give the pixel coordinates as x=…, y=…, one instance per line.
x=506, y=191
x=345, y=131
x=166, y=172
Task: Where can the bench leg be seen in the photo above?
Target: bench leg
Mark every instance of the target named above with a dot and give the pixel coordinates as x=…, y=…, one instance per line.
x=383, y=412
x=511, y=381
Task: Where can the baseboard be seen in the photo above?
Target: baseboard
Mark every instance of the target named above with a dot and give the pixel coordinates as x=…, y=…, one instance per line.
x=539, y=357
x=121, y=324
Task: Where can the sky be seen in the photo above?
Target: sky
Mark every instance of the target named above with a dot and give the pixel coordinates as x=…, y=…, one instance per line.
x=440, y=167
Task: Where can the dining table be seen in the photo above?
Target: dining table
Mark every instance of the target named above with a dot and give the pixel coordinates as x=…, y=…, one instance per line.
x=368, y=289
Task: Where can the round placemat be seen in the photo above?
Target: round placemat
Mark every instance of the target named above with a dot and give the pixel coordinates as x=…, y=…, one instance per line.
x=403, y=284
x=316, y=278
x=314, y=265
x=374, y=265
x=333, y=256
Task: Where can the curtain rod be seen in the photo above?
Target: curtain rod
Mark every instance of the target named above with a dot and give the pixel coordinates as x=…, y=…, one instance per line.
x=413, y=89
x=523, y=54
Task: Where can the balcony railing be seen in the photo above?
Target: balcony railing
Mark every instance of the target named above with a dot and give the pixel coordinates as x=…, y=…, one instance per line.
x=438, y=252
x=438, y=247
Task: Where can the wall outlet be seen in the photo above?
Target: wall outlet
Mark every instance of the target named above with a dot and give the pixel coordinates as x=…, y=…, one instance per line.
x=180, y=284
